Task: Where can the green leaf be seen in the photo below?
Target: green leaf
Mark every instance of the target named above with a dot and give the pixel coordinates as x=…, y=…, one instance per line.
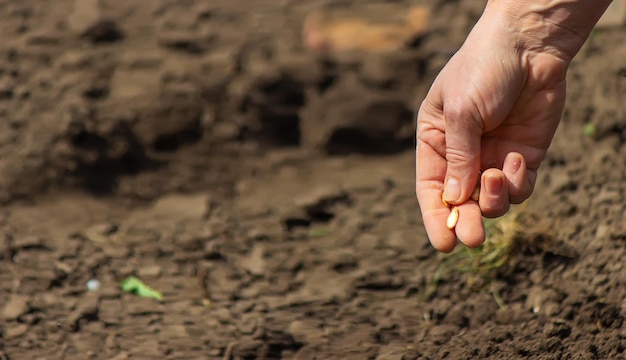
x=589, y=129
x=319, y=232
x=134, y=285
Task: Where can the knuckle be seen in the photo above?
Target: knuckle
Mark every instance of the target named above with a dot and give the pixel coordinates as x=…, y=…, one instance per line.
x=459, y=157
x=462, y=113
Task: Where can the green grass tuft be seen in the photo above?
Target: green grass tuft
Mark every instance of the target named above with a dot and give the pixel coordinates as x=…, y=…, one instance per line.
x=480, y=265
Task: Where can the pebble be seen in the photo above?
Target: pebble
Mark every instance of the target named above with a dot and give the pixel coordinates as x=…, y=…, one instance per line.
x=6, y=88
x=606, y=196
x=551, y=308
x=442, y=307
x=93, y=285
x=84, y=14
x=254, y=263
x=441, y=334
x=86, y=309
x=306, y=330
x=12, y=332
x=391, y=352
x=248, y=324
x=28, y=242
x=558, y=328
x=16, y=307
x=380, y=210
x=538, y=296
x=367, y=242
x=149, y=271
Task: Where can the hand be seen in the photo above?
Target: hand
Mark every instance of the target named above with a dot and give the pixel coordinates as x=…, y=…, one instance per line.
x=493, y=108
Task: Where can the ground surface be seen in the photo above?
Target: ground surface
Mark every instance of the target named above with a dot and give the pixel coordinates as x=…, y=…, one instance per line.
x=268, y=193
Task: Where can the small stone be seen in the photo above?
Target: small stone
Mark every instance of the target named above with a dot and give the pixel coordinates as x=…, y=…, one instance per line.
x=93, y=285
x=391, y=352
x=367, y=242
x=248, y=324
x=83, y=15
x=12, y=332
x=513, y=314
x=110, y=311
x=442, y=308
x=455, y=315
x=441, y=334
x=87, y=309
x=306, y=330
x=319, y=195
x=226, y=131
x=223, y=315
x=73, y=60
x=551, y=308
x=607, y=196
x=149, y=271
x=122, y=355
x=139, y=306
x=380, y=210
x=557, y=328
x=560, y=180
x=342, y=261
x=28, y=242
x=246, y=348
x=103, y=31
x=399, y=240
x=537, y=296
x=536, y=276
x=603, y=231
x=44, y=37
x=6, y=88
x=258, y=234
x=187, y=42
x=16, y=307
x=255, y=263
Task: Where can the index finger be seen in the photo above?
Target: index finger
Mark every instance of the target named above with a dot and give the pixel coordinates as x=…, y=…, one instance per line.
x=430, y=169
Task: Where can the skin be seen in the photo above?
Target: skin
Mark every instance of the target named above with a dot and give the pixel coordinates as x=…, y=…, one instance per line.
x=494, y=108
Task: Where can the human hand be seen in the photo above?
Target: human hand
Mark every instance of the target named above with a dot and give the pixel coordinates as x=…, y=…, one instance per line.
x=494, y=109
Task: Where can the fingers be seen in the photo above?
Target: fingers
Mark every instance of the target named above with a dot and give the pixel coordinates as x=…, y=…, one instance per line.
x=469, y=229
x=431, y=167
x=430, y=171
x=494, y=193
x=520, y=181
x=462, y=139
x=501, y=188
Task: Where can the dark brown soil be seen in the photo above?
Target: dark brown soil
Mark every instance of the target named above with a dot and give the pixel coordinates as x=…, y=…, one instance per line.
x=268, y=193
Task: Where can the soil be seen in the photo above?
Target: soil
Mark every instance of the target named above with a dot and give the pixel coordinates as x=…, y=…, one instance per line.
x=266, y=190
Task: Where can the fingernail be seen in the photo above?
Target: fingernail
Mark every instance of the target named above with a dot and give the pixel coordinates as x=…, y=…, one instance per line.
x=494, y=185
x=452, y=190
x=512, y=167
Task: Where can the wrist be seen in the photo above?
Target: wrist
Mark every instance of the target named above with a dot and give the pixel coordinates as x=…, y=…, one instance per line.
x=557, y=27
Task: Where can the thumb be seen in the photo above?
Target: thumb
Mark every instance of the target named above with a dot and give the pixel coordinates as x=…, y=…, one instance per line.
x=463, y=135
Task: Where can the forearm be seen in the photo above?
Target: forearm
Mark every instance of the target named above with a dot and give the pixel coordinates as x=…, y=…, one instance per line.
x=557, y=26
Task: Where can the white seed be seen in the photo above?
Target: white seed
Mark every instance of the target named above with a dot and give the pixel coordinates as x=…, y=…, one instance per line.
x=453, y=218
x=476, y=193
